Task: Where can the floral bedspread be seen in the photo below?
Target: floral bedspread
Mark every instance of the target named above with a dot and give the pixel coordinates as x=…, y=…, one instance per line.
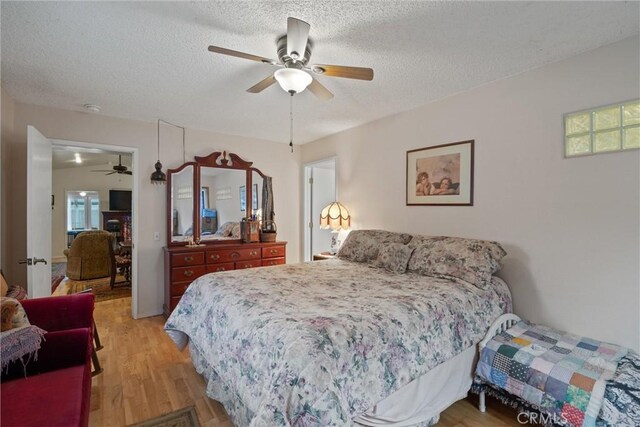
x=319, y=343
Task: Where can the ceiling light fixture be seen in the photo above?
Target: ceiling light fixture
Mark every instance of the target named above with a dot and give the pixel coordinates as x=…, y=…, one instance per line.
x=77, y=158
x=292, y=79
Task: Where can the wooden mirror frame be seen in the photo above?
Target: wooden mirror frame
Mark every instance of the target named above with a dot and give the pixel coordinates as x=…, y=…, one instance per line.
x=220, y=160
x=196, y=182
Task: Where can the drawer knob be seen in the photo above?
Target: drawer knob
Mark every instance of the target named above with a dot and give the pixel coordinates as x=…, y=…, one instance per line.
x=247, y=266
x=188, y=273
x=215, y=256
x=188, y=259
x=220, y=269
x=273, y=251
x=235, y=255
x=253, y=253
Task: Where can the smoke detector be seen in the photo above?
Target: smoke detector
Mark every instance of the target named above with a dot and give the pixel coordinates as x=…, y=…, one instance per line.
x=92, y=108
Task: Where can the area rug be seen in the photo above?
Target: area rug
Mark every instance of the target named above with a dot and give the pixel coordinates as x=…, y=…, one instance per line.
x=101, y=288
x=185, y=417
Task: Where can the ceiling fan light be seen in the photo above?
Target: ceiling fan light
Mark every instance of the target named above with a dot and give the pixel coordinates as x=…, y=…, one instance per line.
x=292, y=79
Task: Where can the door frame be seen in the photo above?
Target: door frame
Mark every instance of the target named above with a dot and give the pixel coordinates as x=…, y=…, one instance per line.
x=134, y=151
x=307, y=195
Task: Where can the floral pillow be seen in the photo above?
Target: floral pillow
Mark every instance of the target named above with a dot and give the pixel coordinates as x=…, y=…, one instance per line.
x=394, y=257
x=12, y=315
x=364, y=245
x=473, y=261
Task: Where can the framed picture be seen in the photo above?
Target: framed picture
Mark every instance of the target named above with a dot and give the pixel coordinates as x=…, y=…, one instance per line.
x=254, y=197
x=441, y=175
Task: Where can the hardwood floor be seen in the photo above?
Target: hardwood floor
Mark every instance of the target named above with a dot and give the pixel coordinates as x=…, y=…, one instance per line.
x=145, y=376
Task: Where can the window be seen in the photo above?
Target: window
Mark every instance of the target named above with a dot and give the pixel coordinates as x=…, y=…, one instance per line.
x=83, y=210
x=611, y=128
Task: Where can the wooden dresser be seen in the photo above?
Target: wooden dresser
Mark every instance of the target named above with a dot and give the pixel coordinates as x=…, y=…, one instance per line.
x=183, y=265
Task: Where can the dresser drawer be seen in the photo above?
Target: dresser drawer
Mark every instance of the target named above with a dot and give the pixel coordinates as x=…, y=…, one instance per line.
x=225, y=266
x=272, y=261
x=173, y=302
x=187, y=258
x=248, y=264
x=273, y=252
x=232, y=255
x=177, y=289
x=182, y=274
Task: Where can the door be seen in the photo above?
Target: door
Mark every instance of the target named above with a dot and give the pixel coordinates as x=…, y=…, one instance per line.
x=320, y=191
x=38, y=214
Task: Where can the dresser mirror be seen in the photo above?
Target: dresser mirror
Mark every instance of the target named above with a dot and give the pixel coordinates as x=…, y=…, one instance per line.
x=180, y=203
x=220, y=212
x=225, y=190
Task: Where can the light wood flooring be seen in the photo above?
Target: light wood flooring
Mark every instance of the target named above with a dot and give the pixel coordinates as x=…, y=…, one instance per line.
x=145, y=376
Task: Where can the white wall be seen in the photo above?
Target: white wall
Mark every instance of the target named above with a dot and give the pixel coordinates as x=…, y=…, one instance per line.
x=7, y=136
x=570, y=226
x=79, y=178
x=271, y=158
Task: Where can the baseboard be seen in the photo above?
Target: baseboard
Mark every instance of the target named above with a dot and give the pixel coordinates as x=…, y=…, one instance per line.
x=55, y=259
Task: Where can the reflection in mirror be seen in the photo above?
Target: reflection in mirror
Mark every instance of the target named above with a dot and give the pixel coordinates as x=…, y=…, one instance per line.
x=182, y=204
x=256, y=179
x=220, y=217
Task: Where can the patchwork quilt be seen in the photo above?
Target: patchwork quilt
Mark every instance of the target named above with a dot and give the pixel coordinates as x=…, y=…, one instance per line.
x=561, y=374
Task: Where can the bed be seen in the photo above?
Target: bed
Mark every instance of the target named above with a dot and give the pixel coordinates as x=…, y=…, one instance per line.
x=345, y=341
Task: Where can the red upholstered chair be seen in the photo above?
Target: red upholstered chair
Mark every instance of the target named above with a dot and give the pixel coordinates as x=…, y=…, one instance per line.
x=57, y=388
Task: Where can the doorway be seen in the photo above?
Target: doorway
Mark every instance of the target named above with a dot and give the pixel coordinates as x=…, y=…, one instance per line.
x=319, y=191
x=90, y=184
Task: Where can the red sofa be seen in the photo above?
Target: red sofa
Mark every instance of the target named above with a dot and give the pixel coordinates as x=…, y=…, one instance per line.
x=57, y=388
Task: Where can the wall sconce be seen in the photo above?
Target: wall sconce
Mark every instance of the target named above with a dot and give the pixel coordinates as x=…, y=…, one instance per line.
x=159, y=177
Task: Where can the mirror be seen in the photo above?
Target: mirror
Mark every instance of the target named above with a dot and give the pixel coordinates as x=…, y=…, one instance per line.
x=180, y=203
x=223, y=199
x=207, y=199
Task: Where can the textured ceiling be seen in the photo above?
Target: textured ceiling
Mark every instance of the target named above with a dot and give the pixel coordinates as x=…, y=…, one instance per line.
x=64, y=158
x=149, y=60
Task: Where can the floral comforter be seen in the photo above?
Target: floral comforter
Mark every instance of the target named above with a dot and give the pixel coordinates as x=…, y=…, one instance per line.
x=319, y=343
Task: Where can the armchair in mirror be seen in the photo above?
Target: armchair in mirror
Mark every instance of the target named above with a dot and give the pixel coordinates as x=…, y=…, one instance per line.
x=181, y=213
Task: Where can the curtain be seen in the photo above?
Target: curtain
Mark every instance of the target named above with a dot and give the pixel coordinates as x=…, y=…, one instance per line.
x=267, y=204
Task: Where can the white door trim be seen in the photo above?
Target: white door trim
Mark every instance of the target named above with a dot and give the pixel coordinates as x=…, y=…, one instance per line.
x=306, y=205
x=134, y=205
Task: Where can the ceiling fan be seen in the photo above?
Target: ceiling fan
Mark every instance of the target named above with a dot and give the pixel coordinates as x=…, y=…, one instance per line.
x=294, y=53
x=119, y=168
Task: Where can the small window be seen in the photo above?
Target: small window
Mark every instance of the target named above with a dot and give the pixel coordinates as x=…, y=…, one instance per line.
x=601, y=130
x=83, y=210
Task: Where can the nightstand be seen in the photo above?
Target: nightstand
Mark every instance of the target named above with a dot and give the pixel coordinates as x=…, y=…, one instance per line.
x=322, y=256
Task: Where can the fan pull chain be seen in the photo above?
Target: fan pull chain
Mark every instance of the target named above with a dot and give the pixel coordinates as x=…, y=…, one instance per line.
x=291, y=122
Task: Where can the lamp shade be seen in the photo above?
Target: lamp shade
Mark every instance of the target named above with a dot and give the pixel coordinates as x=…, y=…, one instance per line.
x=292, y=79
x=335, y=216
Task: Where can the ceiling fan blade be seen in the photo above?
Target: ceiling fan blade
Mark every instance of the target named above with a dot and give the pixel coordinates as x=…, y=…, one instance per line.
x=109, y=170
x=262, y=85
x=242, y=55
x=320, y=91
x=128, y=172
x=297, y=36
x=110, y=173
x=359, y=73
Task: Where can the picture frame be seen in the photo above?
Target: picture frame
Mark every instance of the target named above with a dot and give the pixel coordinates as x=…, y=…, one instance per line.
x=449, y=175
x=243, y=198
